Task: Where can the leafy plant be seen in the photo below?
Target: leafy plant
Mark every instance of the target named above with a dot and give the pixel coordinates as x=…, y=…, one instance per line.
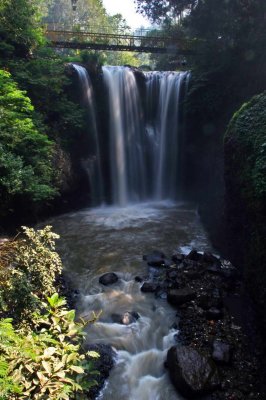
x=47, y=363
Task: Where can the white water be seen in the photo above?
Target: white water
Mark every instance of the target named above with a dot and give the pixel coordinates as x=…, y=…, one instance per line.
x=99, y=240
x=93, y=163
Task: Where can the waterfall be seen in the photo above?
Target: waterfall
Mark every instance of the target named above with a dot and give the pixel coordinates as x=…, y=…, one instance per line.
x=164, y=109
x=92, y=164
x=143, y=143
x=127, y=136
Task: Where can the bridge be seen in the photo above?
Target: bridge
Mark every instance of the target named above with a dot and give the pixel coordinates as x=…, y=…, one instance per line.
x=142, y=41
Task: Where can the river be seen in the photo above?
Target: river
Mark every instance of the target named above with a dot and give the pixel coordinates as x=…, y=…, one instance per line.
x=108, y=238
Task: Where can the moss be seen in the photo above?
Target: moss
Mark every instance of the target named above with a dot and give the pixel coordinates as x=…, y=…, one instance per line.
x=245, y=180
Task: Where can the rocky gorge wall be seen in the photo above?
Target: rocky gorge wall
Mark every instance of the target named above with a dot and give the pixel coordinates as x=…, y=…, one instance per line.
x=245, y=196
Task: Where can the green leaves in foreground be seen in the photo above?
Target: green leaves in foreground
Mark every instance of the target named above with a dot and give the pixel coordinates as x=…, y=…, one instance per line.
x=47, y=363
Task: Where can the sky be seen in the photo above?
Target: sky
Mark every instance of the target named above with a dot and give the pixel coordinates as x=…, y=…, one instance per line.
x=128, y=10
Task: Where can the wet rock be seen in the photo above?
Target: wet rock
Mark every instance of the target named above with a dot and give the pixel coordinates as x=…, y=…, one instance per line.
x=129, y=317
x=209, y=258
x=221, y=352
x=210, y=300
x=138, y=279
x=149, y=287
x=191, y=373
x=172, y=274
x=177, y=257
x=155, y=259
x=178, y=297
x=161, y=293
x=214, y=314
x=103, y=364
x=194, y=256
x=108, y=279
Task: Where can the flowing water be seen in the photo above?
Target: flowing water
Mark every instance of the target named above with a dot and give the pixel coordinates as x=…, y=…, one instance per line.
x=99, y=240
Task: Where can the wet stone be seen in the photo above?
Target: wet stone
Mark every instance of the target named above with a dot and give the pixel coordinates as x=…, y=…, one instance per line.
x=129, y=317
x=149, y=287
x=178, y=297
x=155, y=259
x=108, y=279
x=221, y=352
x=214, y=314
x=177, y=257
x=191, y=373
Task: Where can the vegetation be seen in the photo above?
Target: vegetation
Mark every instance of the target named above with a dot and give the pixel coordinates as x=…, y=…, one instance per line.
x=25, y=151
x=41, y=353
x=245, y=176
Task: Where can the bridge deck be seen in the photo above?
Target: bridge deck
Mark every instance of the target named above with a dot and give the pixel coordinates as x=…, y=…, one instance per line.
x=112, y=41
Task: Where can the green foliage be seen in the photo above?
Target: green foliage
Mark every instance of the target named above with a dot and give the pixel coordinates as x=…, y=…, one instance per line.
x=28, y=271
x=20, y=28
x=25, y=152
x=42, y=358
x=47, y=362
x=248, y=129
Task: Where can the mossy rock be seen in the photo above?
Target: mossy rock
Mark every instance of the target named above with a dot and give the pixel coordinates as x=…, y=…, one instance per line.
x=245, y=181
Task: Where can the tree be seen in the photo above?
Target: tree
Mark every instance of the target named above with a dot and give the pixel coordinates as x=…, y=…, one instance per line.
x=25, y=152
x=20, y=28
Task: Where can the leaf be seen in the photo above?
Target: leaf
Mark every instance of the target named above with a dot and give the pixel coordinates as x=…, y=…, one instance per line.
x=47, y=367
x=93, y=354
x=77, y=369
x=49, y=351
x=42, y=378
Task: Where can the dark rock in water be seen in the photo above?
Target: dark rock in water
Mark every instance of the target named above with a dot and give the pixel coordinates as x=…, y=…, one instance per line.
x=155, y=259
x=127, y=318
x=209, y=300
x=172, y=274
x=108, y=279
x=177, y=257
x=191, y=373
x=161, y=293
x=103, y=364
x=178, y=297
x=221, y=352
x=149, y=287
x=194, y=256
x=138, y=279
x=214, y=314
x=209, y=258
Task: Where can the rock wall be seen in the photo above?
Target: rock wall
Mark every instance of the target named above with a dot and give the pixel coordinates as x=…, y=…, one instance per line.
x=245, y=196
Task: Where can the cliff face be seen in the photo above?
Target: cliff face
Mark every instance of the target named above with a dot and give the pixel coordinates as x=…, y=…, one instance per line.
x=245, y=198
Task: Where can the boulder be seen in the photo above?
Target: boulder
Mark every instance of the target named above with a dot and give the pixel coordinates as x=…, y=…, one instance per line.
x=149, y=287
x=209, y=258
x=155, y=259
x=129, y=317
x=192, y=373
x=178, y=297
x=108, y=279
x=177, y=257
x=214, y=314
x=221, y=352
x=194, y=256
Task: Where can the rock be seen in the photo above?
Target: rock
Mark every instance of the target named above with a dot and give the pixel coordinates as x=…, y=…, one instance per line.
x=209, y=300
x=129, y=317
x=103, y=364
x=221, y=352
x=161, y=293
x=177, y=257
x=191, y=373
x=138, y=279
x=194, y=256
x=155, y=259
x=209, y=258
x=178, y=297
x=108, y=279
x=214, y=314
x=149, y=287
x=172, y=274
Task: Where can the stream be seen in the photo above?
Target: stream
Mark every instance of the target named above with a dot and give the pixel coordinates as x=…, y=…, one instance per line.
x=114, y=239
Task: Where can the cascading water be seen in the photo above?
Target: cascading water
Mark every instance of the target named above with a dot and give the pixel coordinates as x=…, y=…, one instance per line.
x=144, y=154
x=164, y=107
x=127, y=147
x=92, y=164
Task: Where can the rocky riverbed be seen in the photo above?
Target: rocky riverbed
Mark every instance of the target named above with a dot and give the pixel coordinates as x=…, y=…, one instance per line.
x=213, y=355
